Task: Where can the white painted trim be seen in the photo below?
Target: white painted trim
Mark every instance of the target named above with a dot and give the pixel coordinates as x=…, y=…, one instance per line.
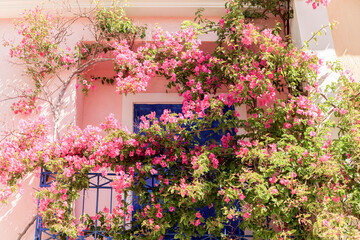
x=10, y=9
x=148, y=98
x=307, y=21
x=128, y=102
x=243, y=116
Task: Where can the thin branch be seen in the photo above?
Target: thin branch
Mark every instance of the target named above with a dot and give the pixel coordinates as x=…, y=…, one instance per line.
x=6, y=135
x=322, y=29
x=27, y=228
x=56, y=89
x=325, y=97
x=9, y=98
x=44, y=100
x=358, y=94
x=58, y=105
x=47, y=96
x=60, y=79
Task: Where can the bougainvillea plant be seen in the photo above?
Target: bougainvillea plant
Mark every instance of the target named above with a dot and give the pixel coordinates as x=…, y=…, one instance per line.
x=317, y=3
x=279, y=162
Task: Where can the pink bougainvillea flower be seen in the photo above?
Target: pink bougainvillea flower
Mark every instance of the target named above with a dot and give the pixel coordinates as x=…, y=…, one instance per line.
x=246, y=215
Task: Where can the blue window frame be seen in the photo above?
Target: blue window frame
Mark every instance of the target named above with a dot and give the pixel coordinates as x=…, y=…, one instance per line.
x=232, y=228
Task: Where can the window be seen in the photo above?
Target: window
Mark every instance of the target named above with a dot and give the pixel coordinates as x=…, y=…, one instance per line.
x=142, y=109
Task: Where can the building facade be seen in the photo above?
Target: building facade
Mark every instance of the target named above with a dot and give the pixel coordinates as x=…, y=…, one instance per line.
x=92, y=109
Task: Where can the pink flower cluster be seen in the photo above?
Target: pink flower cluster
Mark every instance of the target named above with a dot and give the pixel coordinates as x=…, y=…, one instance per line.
x=26, y=104
x=316, y=3
x=23, y=106
x=23, y=152
x=134, y=75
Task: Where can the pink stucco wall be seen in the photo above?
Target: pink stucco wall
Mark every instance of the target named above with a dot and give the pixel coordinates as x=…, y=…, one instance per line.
x=20, y=208
x=78, y=109
x=99, y=103
x=347, y=33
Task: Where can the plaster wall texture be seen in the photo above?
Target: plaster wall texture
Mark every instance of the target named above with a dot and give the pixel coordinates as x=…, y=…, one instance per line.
x=347, y=33
x=99, y=103
x=20, y=209
x=92, y=109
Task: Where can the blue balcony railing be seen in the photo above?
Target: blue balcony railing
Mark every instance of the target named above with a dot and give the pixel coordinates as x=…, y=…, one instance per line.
x=100, y=194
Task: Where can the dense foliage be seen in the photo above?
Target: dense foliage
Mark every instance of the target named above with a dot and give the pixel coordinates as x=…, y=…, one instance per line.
x=279, y=161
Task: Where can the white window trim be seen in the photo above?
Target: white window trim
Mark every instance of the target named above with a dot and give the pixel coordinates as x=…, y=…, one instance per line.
x=145, y=98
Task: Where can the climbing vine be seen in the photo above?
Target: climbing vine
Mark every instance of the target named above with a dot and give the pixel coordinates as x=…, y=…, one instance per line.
x=278, y=161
